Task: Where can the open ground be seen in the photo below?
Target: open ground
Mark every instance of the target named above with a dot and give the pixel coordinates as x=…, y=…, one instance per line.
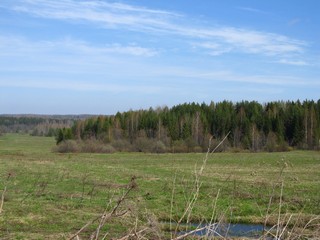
x=47, y=195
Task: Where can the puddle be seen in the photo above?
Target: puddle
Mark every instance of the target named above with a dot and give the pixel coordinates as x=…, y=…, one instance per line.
x=230, y=230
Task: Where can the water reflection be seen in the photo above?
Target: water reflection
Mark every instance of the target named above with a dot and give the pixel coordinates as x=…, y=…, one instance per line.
x=230, y=230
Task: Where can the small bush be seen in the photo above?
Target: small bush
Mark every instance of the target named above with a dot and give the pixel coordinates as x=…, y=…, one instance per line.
x=159, y=147
x=284, y=147
x=94, y=146
x=121, y=145
x=149, y=145
x=89, y=146
x=198, y=149
x=179, y=147
x=142, y=144
x=108, y=149
x=68, y=146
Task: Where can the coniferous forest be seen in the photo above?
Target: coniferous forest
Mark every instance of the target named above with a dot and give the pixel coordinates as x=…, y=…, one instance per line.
x=273, y=126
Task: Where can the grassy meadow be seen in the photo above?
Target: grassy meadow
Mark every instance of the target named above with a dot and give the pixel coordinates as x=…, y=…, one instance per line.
x=48, y=195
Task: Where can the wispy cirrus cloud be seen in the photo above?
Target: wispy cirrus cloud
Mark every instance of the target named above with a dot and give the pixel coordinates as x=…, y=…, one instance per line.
x=253, y=10
x=293, y=62
x=14, y=46
x=213, y=48
x=294, y=21
x=130, y=50
x=152, y=21
x=57, y=84
x=203, y=78
x=106, y=14
x=248, y=41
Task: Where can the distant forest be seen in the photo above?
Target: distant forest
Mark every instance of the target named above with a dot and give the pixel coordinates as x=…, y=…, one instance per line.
x=273, y=126
x=37, y=125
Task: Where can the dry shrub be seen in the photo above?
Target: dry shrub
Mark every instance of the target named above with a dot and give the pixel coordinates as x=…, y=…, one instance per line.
x=94, y=146
x=149, y=145
x=159, y=147
x=179, y=146
x=186, y=146
x=121, y=145
x=197, y=149
x=224, y=146
x=88, y=146
x=142, y=144
x=67, y=147
x=273, y=144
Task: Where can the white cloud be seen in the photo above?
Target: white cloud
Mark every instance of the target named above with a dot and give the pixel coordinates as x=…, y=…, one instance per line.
x=145, y=20
x=292, y=62
x=86, y=48
x=15, y=46
x=131, y=50
x=250, y=9
x=275, y=80
x=294, y=21
x=213, y=48
x=255, y=42
x=71, y=59
x=56, y=84
x=104, y=13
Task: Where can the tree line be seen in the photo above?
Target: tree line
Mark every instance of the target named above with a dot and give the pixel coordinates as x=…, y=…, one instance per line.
x=36, y=125
x=273, y=126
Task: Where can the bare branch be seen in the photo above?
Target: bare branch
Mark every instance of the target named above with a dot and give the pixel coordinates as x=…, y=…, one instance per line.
x=209, y=227
x=106, y=216
x=2, y=199
x=135, y=234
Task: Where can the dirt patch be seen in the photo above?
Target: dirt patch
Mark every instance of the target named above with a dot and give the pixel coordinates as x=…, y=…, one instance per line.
x=152, y=179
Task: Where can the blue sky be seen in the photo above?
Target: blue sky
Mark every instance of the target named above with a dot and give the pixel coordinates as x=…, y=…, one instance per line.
x=100, y=56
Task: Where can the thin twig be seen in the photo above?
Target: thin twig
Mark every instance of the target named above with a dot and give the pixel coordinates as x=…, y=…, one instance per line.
x=285, y=227
x=172, y=198
x=105, y=236
x=279, y=213
x=2, y=199
x=220, y=142
x=135, y=234
x=268, y=209
x=308, y=224
x=197, y=230
x=84, y=227
x=213, y=212
x=198, y=183
x=113, y=212
x=105, y=216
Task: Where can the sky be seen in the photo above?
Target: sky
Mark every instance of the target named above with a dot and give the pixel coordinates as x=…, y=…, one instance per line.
x=101, y=56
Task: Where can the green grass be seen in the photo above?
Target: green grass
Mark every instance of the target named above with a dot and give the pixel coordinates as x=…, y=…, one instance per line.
x=51, y=195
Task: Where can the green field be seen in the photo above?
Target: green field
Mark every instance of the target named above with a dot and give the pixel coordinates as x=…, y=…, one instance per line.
x=47, y=195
